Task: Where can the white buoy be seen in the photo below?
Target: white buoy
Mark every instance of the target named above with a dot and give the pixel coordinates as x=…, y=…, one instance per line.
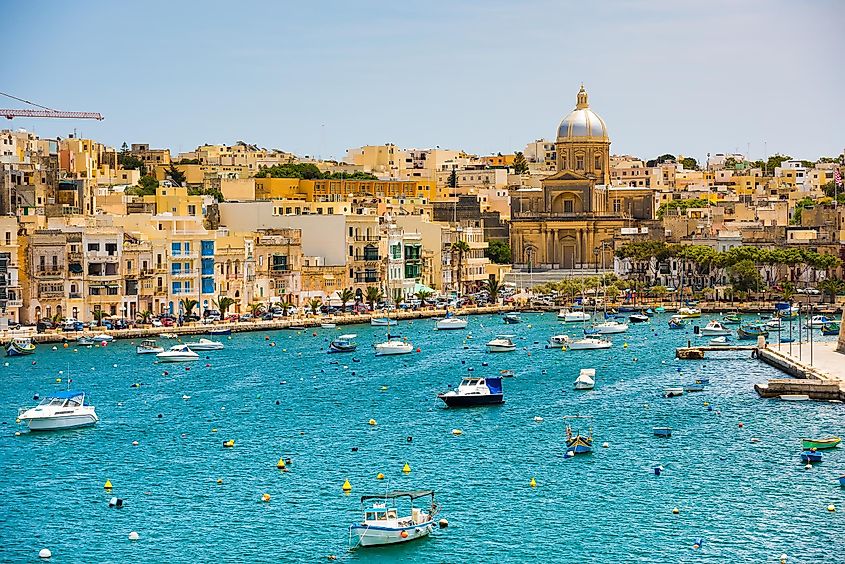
x=45, y=553
x=783, y=558
x=133, y=536
x=605, y=445
x=808, y=466
x=538, y=419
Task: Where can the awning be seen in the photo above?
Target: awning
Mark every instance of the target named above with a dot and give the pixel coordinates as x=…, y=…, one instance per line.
x=422, y=288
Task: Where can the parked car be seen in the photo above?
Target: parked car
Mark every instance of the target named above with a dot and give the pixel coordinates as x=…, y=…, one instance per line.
x=246, y=317
x=267, y=316
x=167, y=321
x=808, y=290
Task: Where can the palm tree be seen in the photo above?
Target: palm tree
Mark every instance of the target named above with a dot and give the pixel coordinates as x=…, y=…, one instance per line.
x=313, y=304
x=423, y=295
x=222, y=304
x=286, y=305
x=99, y=315
x=398, y=297
x=831, y=287
x=346, y=296
x=144, y=317
x=459, y=248
x=188, y=305
x=492, y=287
x=256, y=309
x=373, y=295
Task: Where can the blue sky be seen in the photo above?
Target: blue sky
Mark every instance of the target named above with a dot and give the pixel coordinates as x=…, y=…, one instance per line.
x=316, y=78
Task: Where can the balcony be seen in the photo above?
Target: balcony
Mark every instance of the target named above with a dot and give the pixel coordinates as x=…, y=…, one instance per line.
x=159, y=291
x=101, y=256
x=368, y=238
x=53, y=272
x=184, y=255
x=51, y=294
x=184, y=273
x=366, y=279
x=368, y=257
x=75, y=296
x=279, y=272
x=17, y=302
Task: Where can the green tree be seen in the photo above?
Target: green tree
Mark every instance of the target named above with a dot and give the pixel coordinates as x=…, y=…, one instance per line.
x=499, y=252
x=831, y=287
x=176, y=175
x=453, y=179
x=423, y=295
x=689, y=163
x=730, y=163
x=143, y=317
x=357, y=175
x=286, y=305
x=188, y=305
x=682, y=205
x=99, y=315
x=459, y=249
x=148, y=185
x=373, y=295
x=256, y=309
x=667, y=158
x=346, y=296
x=314, y=304
x=744, y=276
x=520, y=165
x=307, y=171
x=223, y=303
x=131, y=162
x=492, y=287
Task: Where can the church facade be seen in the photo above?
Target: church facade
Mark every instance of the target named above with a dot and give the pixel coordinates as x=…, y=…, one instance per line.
x=574, y=219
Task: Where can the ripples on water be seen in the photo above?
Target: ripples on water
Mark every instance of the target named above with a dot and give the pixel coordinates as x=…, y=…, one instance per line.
x=750, y=502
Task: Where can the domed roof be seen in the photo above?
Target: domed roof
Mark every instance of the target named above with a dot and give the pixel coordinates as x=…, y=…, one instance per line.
x=582, y=123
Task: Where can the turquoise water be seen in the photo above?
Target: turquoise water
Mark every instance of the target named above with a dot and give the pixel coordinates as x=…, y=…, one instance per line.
x=748, y=501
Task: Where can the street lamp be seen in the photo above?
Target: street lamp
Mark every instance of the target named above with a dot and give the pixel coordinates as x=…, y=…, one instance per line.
x=596, y=255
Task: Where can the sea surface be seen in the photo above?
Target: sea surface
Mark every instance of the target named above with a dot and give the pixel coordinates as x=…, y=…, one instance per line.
x=279, y=394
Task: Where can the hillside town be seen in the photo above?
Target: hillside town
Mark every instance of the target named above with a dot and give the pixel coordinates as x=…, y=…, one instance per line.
x=136, y=232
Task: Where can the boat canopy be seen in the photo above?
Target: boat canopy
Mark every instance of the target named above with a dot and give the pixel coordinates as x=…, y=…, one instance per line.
x=348, y=337
x=68, y=394
x=413, y=494
x=494, y=385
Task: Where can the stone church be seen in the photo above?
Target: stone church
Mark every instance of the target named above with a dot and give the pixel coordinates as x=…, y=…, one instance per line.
x=573, y=221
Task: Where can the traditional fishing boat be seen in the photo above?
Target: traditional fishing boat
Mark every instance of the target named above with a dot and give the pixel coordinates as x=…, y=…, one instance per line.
x=576, y=442
x=749, y=332
x=831, y=328
x=676, y=322
x=731, y=319
x=811, y=455
x=20, y=346
x=820, y=444
x=343, y=344
x=382, y=524
x=474, y=391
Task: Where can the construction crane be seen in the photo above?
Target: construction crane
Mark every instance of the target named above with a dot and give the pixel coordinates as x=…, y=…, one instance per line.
x=44, y=112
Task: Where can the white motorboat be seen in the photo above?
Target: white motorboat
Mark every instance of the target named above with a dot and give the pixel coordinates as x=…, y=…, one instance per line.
x=714, y=329
x=590, y=342
x=639, y=318
x=558, y=341
x=774, y=325
x=474, y=391
x=168, y=335
x=673, y=392
x=206, y=345
x=148, y=346
x=382, y=523
x=568, y=316
x=818, y=321
x=393, y=346
x=719, y=342
x=62, y=410
x=794, y=397
x=610, y=327
x=178, y=353
x=586, y=379
x=450, y=322
x=328, y=325
x=103, y=337
x=502, y=343
x=688, y=312
x=382, y=322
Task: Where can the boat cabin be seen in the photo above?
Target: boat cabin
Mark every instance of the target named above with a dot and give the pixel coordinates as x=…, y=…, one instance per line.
x=65, y=399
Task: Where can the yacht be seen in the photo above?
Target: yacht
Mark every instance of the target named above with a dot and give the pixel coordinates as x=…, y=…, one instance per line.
x=715, y=329
x=502, y=343
x=382, y=524
x=586, y=379
x=568, y=316
x=590, y=342
x=103, y=338
x=393, y=346
x=343, y=343
x=206, y=345
x=62, y=410
x=610, y=327
x=475, y=391
x=451, y=322
x=149, y=346
x=177, y=353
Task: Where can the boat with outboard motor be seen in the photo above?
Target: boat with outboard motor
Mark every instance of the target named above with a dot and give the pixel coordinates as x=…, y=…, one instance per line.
x=343, y=344
x=714, y=329
x=639, y=318
x=558, y=341
x=586, y=379
x=382, y=524
x=382, y=322
x=502, y=343
x=474, y=391
x=206, y=345
x=149, y=346
x=177, y=353
x=450, y=322
x=61, y=410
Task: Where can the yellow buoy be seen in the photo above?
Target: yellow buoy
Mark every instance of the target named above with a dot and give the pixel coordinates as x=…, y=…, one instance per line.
x=265, y=498
x=675, y=511
x=58, y=380
x=533, y=482
x=383, y=388
x=457, y=432
x=229, y=444
x=219, y=481
x=280, y=464
x=214, y=430
x=407, y=468
x=372, y=421
x=107, y=485
x=706, y=403
x=347, y=487
x=831, y=507
x=379, y=476
x=624, y=345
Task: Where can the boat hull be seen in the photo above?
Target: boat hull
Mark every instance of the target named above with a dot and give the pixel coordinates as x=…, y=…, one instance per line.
x=333, y=348
x=500, y=348
x=471, y=400
x=820, y=444
x=452, y=323
x=176, y=358
x=382, y=322
x=380, y=536
x=393, y=351
x=15, y=350
x=156, y=350
x=59, y=423
x=580, y=346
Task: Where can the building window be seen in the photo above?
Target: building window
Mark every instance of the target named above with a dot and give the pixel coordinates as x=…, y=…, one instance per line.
x=568, y=206
x=598, y=162
x=93, y=246
x=8, y=237
x=617, y=206
x=579, y=162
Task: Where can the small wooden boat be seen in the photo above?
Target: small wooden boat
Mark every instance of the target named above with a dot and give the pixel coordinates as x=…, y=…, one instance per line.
x=820, y=444
x=749, y=332
x=794, y=397
x=830, y=328
x=811, y=456
x=219, y=331
x=577, y=443
x=731, y=319
x=343, y=344
x=673, y=392
x=662, y=431
x=677, y=323
x=20, y=347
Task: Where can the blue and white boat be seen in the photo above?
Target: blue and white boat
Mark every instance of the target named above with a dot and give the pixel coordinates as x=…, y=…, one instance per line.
x=811, y=455
x=474, y=391
x=343, y=344
x=662, y=431
x=578, y=443
x=696, y=387
x=20, y=347
x=62, y=410
x=382, y=322
x=383, y=524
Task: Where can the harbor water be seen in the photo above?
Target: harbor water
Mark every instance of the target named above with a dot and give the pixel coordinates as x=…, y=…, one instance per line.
x=280, y=395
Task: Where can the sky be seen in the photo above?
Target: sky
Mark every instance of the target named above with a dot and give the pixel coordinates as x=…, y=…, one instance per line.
x=316, y=78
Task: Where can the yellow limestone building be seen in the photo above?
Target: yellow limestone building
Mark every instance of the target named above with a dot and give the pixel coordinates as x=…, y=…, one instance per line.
x=570, y=221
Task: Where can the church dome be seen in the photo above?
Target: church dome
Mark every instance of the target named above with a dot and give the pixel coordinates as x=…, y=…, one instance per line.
x=582, y=123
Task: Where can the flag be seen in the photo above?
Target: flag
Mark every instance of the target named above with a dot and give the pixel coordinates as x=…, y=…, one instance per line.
x=837, y=177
